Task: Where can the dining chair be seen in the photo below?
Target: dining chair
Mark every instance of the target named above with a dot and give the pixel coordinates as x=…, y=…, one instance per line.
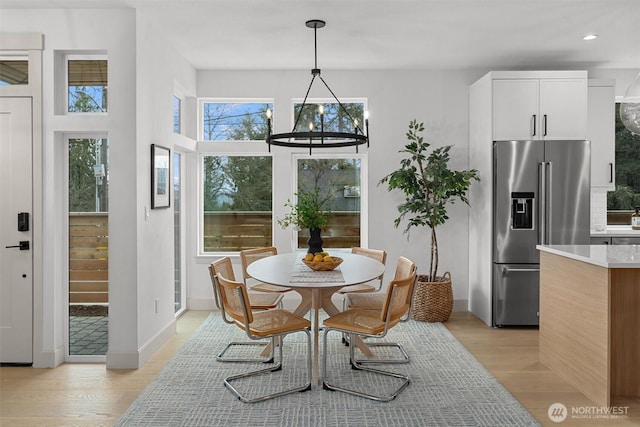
x=371, y=324
x=247, y=256
x=376, y=254
x=258, y=325
x=257, y=301
x=375, y=302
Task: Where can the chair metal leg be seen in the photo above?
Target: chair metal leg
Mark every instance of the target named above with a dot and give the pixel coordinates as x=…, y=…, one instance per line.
x=277, y=367
x=403, y=352
x=261, y=344
x=355, y=365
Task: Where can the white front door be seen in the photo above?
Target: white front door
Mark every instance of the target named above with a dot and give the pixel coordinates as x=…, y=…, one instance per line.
x=16, y=230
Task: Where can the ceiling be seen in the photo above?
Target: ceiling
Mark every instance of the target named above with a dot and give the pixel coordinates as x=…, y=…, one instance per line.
x=389, y=34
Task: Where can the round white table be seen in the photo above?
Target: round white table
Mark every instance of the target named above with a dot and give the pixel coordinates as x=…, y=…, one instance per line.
x=316, y=287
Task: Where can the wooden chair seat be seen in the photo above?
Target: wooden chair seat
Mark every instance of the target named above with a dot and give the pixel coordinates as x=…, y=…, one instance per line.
x=366, y=301
x=266, y=287
x=264, y=301
x=358, y=321
x=356, y=289
x=273, y=322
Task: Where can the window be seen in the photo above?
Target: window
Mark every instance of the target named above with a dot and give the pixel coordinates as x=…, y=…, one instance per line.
x=234, y=121
x=14, y=71
x=339, y=179
x=177, y=115
x=335, y=118
x=622, y=201
x=236, y=203
x=87, y=85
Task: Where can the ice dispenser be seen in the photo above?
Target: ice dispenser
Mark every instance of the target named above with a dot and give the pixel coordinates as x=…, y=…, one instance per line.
x=522, y=211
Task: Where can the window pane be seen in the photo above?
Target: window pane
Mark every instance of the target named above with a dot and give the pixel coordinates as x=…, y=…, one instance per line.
x=234, y=121
x=88, y=175
x=237, y=203
x=177, y=111
x=87, y=81
x=339, y=181
x=627, y=194
x=14, y=72
x=335, y=119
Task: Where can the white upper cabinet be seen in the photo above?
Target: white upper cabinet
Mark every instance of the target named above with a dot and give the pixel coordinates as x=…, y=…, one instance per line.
x=539, y=108
x=601, y=133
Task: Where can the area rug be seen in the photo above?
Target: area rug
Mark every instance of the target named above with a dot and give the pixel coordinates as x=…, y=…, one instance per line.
x=449, y=387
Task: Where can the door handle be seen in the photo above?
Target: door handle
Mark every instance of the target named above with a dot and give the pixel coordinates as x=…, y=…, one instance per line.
x=24, y=245
x=519, y=270
x=610, y=173
x=533, y=133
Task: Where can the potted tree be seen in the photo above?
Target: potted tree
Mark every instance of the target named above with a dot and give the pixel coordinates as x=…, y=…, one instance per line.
x=310, y=211
x=429, y=185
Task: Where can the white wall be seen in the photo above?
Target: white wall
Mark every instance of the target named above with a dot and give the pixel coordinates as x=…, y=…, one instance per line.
x=159, y=70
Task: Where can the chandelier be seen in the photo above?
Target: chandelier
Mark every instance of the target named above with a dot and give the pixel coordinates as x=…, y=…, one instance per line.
x=630, y=107
x=319, y=138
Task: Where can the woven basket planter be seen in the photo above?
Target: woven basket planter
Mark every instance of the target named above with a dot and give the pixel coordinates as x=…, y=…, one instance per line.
x=432, y=301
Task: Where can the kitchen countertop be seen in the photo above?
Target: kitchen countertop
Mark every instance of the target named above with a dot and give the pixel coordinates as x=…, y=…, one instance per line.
x=616, y=231
x=608, y=256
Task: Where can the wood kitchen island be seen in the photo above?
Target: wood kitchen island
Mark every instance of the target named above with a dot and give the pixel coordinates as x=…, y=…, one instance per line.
x=590, y=318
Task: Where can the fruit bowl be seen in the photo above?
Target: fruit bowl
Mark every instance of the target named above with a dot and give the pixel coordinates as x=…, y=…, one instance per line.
x=323, y=265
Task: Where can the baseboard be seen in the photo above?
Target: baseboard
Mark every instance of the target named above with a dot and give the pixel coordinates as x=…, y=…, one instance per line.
x=136, y=360
x=460, y=305
x=49, y=359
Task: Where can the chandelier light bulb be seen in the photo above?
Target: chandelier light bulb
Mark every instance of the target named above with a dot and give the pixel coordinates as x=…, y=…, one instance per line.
x=268, y=113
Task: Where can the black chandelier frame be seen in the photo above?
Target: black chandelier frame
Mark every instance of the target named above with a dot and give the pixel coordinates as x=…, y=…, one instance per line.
x=319, y=139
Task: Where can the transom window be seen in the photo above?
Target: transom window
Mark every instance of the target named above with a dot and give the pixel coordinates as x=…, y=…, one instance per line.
x=234, y=121
x=334, y=118
x=14, y=71
x=87, y=81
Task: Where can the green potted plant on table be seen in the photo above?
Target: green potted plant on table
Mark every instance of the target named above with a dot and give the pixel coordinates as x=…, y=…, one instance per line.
x=310, y=211
x=429, y=185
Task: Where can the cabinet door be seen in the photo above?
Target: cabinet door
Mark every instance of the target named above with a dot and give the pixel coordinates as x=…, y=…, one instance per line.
x=601, y=133
x=515, y=109
x=600, y=240
x=563, y=109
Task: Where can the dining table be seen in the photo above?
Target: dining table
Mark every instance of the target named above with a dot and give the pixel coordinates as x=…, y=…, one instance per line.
x=316, y=288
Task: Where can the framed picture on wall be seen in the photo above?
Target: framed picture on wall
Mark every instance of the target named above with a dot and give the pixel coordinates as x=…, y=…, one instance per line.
x=160, y=179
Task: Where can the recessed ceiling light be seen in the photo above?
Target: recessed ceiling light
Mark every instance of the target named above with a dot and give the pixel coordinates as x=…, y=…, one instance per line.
x=589, y=37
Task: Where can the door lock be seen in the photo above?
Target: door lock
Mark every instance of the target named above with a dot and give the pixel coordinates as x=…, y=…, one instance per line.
x=24, y=245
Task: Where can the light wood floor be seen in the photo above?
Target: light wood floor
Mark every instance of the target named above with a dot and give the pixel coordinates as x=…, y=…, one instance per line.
x=90, y=395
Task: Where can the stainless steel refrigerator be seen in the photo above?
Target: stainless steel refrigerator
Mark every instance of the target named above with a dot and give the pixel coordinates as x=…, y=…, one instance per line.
x=541, y=195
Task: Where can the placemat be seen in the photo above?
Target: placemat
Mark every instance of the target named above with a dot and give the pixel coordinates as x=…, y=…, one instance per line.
x=303, y=274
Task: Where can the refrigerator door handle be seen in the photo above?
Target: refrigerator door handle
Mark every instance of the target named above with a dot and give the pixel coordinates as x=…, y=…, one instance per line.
x=549, y=203
x=542, y=184
x=519, y=270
